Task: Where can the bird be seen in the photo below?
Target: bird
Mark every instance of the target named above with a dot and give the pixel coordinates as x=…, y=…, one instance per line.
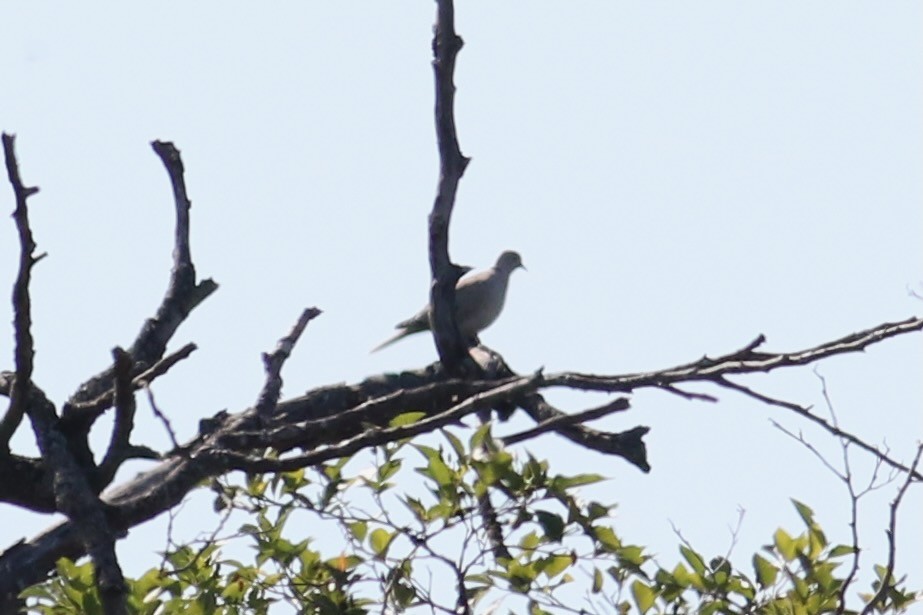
x=479, y=299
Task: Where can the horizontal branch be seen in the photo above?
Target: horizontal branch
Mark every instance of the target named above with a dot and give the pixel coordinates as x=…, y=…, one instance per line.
x=744, y=361
x=562, y=420
x=379, y=436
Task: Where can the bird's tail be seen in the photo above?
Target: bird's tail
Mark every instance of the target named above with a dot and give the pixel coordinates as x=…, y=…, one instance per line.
x=397, y=336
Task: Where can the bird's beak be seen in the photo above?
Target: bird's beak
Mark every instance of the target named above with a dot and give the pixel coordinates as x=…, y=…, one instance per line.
x=523, y=267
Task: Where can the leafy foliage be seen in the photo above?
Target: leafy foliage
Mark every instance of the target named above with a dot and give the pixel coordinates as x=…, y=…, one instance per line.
x=407, y=541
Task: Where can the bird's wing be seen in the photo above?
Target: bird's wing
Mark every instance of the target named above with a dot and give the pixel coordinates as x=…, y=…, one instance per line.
x=479, y=300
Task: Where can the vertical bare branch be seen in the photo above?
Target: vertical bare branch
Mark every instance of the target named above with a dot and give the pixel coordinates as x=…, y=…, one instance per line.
x=119, y=445
x=22, y=303
x=446, y=45
x=887, y=578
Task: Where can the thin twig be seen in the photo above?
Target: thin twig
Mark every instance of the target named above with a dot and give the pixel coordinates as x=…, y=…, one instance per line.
x=887, y=580
x=91, y=409
x=836, y=431
x=160, y=415
x=669, y=388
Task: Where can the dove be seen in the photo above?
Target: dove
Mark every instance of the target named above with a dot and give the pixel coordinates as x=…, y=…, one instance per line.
x=479, y=299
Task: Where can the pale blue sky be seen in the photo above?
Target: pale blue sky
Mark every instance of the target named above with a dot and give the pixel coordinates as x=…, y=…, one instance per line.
x=679, y=177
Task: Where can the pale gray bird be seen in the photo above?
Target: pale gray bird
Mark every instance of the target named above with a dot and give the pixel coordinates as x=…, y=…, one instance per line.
x=479, y=300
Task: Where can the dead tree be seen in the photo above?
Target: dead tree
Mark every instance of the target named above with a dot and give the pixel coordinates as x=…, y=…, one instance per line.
x=321, y=425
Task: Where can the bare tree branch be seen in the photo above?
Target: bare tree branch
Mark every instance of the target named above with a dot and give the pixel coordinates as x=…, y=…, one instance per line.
x=94, y=407
x=72, y=491
x=119, y=444
x=161, y=416
x=448, y=339
x=273, y=362
x=833, y=429
x=182, y=296
x=379, y=436
x=746, y=360
x=627, y=444
x=22, y=303
x=553, y=424
x=887, y=580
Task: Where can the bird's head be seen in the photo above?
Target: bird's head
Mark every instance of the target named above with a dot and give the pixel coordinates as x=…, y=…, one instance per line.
x=509, y=261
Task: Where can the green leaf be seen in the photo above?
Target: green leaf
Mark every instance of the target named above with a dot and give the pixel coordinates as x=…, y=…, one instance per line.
x=880, y=571
x=785, y=544
x=766, y=572
x=817, y=542
x=388, y=469
x=436, y=468
x=530, y=541
x=567, y=482
x=441, y=510
x=681, y=576
x=359, y=529
x=535, y=609
x=407, y=418
x=694, y=559
x=234, y=590
x=556, y=564
x=631, y=555
x=417, y=508
x=644, y=596
x=66, y=568
x=403, y=594
x=521, y=575
x=440, y=472
x=595, y=511
x=91, y=604
x=712, y=607
x=553, y=565
x=597, y=580
x=380, y=539
x=37, y=591
x=841, y=550
x=607, y=538
x=334, y=470
x=480, y=436
x=456, y=444
x=805, y=512
x=552, y=524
